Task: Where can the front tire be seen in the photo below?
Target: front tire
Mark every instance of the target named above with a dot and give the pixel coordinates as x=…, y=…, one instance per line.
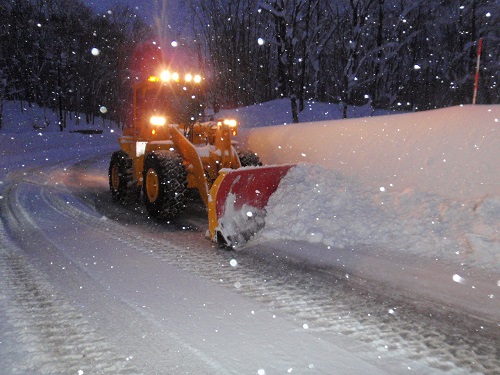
x=164, y=184
x=248, y=158
x=122, y=185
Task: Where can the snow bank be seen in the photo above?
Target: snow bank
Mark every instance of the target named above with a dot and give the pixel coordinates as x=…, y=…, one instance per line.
x=451, y=152
x=318, y=205
x=425, y=183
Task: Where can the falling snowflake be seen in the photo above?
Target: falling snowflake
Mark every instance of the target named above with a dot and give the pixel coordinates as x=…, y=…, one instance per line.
x=458, y=279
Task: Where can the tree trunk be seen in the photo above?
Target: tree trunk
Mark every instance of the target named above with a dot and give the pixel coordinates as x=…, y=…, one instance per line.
x=295, y=109
x=59, y=99
x=378, y=63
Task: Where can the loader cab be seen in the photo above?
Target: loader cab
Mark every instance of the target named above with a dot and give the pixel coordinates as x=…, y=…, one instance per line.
x=161, y=101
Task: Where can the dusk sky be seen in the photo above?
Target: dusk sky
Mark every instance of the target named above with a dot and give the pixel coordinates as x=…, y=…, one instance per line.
x=168, y=17
x=143, y=7
x=155, y=12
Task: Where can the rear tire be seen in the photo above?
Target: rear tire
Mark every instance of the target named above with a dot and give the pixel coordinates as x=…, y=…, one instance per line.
x=122, y=185
x=164, y=184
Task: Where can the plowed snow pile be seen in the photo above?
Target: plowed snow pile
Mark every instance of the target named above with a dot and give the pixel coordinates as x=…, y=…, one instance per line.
x=425, y=183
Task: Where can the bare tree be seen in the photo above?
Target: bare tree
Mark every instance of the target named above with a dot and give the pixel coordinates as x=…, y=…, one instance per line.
x=286, y=16
x=238, y=62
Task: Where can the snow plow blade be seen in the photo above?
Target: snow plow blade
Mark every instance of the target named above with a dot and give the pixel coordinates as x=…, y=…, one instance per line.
x=236, y=206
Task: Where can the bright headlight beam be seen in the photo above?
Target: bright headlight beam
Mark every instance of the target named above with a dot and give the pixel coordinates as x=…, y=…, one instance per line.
x=230, y=122
x=158, y=120
x=165, y=75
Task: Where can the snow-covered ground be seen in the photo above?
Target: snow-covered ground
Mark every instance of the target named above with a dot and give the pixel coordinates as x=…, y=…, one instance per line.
x=406, y=203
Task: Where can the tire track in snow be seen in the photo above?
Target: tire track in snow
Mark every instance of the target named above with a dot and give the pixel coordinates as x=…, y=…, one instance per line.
x=326, y=303
x=53, y=337
x=21, y=221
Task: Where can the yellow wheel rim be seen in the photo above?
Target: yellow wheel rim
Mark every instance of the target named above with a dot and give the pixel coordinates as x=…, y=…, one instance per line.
x=152, y=185
x=115, y=177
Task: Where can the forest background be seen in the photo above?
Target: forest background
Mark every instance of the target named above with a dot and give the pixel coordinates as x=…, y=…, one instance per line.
x=405, y=55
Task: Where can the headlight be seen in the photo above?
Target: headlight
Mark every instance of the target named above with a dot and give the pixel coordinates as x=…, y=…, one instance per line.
x=158, y=120
x=197, y=78
x=231, y=122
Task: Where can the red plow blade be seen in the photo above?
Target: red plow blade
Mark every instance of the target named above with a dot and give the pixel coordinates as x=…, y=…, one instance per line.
x=238, y=199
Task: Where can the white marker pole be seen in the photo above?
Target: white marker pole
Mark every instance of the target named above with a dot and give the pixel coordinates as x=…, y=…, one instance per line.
x=476, y=81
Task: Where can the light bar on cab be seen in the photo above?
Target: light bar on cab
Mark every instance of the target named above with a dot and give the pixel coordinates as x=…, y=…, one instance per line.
x=167, y=76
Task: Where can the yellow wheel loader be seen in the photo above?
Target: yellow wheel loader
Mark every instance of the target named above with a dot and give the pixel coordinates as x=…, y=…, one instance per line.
x=168, y=149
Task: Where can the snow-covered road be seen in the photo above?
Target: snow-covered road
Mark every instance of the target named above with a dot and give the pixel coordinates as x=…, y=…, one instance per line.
x=111, y=298
x=87, y=287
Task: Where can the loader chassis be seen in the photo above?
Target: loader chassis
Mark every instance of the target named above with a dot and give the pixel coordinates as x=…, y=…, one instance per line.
x=168, y=149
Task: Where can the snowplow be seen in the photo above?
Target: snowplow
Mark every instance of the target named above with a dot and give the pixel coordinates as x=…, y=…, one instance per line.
x=169, y=150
